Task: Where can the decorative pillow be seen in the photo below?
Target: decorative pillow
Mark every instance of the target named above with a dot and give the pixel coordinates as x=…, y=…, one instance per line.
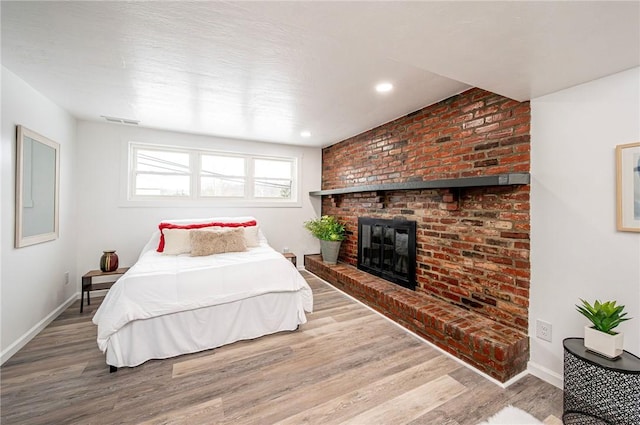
x=176, y=241
x=208, y=242
x=251, y=236
x=162, y=226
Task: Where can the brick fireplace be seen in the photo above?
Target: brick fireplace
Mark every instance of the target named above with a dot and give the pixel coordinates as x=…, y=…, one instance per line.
x=472, y=243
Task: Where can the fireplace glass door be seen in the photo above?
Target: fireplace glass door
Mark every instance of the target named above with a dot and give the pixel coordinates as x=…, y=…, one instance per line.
x=386, y=248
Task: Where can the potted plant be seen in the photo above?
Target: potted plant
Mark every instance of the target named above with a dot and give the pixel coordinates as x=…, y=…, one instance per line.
x=331, y=234
x=600, y=337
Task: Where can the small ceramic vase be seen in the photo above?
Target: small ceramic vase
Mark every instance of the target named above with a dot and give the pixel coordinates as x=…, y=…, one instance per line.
x=109, y=261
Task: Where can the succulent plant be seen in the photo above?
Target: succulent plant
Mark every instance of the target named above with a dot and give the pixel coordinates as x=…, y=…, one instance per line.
x=604, y=316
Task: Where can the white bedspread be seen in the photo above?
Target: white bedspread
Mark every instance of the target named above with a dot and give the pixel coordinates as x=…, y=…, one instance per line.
x=163, y=284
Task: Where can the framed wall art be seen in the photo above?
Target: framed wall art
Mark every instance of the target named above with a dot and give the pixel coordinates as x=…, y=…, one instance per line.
x=628, y=187
x=37, y=187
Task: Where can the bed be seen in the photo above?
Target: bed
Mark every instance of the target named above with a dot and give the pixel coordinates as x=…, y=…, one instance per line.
x=171, y=303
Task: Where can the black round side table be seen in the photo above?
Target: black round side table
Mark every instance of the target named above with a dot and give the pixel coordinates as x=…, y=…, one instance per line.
x=598, y=390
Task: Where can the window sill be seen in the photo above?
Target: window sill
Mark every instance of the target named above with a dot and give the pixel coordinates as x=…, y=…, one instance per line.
x=221, y=203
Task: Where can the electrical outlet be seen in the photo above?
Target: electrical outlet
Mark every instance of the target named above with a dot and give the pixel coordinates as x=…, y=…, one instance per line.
x=543, y=330
x=66, y=278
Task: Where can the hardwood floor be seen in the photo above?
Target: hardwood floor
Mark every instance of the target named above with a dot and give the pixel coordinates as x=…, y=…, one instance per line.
x=347, y=365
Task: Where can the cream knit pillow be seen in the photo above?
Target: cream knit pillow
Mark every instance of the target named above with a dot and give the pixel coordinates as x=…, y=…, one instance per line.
x=251, y=236
x=176, y=241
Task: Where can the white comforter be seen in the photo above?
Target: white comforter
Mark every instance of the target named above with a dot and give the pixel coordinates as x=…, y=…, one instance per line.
x=163, y=284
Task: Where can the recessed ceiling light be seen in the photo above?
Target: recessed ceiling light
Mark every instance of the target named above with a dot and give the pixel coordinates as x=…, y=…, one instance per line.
x=384, y=87
x=305, y=133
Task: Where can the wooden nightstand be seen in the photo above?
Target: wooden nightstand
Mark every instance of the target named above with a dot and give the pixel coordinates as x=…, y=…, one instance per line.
x=291, y=257
x=88, y=285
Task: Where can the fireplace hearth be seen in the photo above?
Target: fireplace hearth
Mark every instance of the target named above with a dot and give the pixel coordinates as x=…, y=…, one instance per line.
x=387, y=248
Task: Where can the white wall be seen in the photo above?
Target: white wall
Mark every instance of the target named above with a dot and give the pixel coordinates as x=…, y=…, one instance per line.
x=104, y=222
x=576, y=251
x=32, y=289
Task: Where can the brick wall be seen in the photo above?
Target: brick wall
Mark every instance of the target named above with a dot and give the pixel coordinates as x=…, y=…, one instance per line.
x=473, y=243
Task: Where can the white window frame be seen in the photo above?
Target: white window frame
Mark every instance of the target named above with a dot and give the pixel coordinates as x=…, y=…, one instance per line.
x=133, y=172
x=195, y=200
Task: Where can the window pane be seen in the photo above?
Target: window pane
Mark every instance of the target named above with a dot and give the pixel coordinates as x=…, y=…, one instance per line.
x=222, y=186
x=222, y=165
x=162, y=162
x=222, y=176
x=273, y=169
x=272, y=188
x=162, y=185
x=272, y=178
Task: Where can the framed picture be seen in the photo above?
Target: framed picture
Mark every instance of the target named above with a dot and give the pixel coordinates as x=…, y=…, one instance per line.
x=37, y=186
x=628, y=187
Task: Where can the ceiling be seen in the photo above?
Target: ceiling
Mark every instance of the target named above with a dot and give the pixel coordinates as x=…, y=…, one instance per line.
x=268, y=70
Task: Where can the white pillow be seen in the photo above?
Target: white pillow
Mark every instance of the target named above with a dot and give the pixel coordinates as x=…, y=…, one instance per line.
x=176, y=241
x=251, y=236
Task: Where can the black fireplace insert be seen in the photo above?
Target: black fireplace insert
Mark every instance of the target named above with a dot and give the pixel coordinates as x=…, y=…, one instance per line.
x=387, y=248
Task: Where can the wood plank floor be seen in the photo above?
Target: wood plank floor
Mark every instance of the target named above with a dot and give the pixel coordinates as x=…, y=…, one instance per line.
x=347, y=365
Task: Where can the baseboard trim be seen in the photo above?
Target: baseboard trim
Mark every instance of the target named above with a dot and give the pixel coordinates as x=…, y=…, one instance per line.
x=545, y=374
x=7, y=353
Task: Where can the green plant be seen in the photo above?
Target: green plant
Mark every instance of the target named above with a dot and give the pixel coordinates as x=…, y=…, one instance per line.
x=604, y=316
x=327, y=228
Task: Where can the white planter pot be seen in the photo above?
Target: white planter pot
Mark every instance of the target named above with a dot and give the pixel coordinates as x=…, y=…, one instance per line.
x=329, y=251
x=603, y=343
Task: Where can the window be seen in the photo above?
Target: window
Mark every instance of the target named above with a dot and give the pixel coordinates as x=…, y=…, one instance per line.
x=272, y=178
x=222, y=176
x=166, y=173
x=161, y=173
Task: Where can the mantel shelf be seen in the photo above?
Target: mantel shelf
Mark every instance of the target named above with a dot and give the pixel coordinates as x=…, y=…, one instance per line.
x=491, y=180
